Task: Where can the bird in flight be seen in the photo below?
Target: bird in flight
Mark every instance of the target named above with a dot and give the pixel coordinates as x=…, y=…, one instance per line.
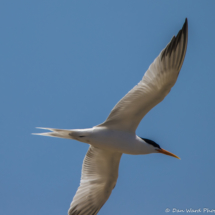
x=115, y=136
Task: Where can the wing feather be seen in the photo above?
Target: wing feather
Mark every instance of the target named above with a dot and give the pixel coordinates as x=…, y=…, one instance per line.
x=154, y=86
x=99, y=176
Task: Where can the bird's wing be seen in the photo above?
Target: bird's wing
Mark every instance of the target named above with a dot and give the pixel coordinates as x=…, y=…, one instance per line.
x=152, y=89
x=99, y=176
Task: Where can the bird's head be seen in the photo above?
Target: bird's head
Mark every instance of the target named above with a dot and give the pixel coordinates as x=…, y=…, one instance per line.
x=157, y=149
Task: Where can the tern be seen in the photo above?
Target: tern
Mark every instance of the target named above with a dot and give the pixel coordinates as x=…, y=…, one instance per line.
x=115, y=136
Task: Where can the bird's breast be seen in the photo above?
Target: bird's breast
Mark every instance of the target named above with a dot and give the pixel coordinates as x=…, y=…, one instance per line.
x=116, y=140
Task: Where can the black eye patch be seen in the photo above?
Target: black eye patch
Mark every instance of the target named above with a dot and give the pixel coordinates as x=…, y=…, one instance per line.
x=151, y=142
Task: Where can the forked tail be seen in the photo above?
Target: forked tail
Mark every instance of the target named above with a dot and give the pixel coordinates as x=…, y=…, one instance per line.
x=61, y=133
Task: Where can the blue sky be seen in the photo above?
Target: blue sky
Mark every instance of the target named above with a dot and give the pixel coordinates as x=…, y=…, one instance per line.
x=65, y=64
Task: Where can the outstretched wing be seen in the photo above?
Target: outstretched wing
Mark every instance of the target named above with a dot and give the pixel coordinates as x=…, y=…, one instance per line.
x=99, y=176
x=152, y=89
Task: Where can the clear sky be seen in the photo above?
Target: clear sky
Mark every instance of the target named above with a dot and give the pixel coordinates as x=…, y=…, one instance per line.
x=65, y=64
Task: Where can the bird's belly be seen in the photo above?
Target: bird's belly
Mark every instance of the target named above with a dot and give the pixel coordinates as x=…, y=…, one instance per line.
x=115, y=140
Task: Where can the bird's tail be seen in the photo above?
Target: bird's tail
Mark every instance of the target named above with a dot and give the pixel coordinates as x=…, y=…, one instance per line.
x=61, y=133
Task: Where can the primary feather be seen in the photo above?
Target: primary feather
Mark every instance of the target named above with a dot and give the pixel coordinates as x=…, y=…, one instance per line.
x=99, y=176
x=154, y=86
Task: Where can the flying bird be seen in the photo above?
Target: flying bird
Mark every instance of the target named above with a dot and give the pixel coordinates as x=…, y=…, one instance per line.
x=115, y=136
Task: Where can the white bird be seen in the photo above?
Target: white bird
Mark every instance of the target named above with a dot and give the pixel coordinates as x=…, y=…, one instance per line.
x=109, y=140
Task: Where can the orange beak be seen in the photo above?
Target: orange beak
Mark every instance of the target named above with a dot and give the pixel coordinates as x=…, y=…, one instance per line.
x=167, y=153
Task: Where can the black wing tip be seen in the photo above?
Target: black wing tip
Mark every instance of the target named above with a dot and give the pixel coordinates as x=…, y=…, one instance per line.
x=185, y=26
x=175, y=40
x=184, y=30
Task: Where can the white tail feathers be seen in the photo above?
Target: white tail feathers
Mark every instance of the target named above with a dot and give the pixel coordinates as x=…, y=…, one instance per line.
x=61, y=133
